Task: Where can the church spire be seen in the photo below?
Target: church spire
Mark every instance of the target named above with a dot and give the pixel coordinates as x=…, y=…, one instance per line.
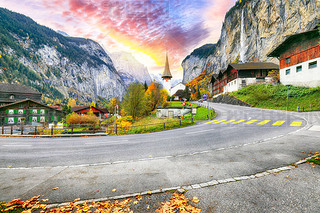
x=166, y=73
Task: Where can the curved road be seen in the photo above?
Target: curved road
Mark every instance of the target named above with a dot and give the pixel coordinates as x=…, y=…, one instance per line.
x=90, y=167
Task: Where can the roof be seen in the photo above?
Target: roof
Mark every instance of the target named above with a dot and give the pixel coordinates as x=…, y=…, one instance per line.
x=166, y=73
x=18, y=102
x=17, y=88
x=79, y=108
x=255, y=66
x=296, y=38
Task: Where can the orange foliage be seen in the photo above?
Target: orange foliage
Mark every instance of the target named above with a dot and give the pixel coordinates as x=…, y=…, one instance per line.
x=74, y=118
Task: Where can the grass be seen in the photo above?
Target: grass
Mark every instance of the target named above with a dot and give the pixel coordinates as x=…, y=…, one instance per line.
x=202, y=112
x=275, y=97
x=314, y=160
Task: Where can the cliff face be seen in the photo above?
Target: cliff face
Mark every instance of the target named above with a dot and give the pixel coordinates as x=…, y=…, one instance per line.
x=55, y=65
x=130, y=69
x=252, y=29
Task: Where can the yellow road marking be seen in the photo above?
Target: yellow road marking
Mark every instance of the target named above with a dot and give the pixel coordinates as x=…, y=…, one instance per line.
x=263, y=122
x=251, y=122
x=219, y=121
x=228, y=121
x=278, y=123
x=296, y=123
x=239, y=122
x=211, y=122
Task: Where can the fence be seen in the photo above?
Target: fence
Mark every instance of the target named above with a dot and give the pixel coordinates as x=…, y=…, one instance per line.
x=90, y=129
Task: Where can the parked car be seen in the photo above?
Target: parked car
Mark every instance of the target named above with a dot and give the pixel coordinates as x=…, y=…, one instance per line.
x=200, y=100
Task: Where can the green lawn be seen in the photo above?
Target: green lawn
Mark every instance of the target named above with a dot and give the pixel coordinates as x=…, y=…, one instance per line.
x=275, y=97
x=202, y=112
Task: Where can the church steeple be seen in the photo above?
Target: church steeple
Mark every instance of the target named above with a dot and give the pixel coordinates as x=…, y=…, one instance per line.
x=166, y=73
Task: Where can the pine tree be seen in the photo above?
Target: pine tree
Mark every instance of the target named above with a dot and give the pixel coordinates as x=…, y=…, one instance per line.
x=145, y=86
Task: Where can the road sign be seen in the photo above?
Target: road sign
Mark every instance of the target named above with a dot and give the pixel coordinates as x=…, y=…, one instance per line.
x=204, y=96
x=183, y=103
x=117, y=107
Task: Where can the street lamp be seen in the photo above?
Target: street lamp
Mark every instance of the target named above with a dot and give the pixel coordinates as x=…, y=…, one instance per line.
x=288, y=97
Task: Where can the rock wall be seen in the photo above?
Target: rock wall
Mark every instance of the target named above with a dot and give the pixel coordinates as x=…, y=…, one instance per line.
x=265, y=24
x=226, y=99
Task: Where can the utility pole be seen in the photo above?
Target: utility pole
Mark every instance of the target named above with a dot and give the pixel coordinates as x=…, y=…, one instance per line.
x=115, y=117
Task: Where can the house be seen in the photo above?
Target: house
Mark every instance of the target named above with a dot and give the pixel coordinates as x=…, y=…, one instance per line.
x=240, y=75
x=179, y=86
x=29, y=111
x=100, y=113
x=299, y=57
x=10, y=93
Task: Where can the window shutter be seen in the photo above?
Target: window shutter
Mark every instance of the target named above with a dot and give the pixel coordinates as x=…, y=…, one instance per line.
x=57, y=118
x=16, y=111
x=6, y=120
x=51, y=118
x=30, y=118
x=7, y=111
x=16, y=119
x=38, y=119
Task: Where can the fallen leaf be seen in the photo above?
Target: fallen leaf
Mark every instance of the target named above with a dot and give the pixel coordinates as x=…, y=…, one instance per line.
x=149, y=192
x=55, y=188
x=139, y=197
x=303, y=152
x=195, y=200
x=135, y=202
x=44, y=200
x=114, y=190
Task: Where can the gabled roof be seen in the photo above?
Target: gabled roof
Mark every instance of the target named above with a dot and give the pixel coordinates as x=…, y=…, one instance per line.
x=18, y=102
x=79, y=108
x=296, y=38
x=255, y=66
x=17, y=88
x=166, y=72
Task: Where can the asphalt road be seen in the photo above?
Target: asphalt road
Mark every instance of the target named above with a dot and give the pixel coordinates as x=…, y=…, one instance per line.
x=90, y=168
x=47, y=152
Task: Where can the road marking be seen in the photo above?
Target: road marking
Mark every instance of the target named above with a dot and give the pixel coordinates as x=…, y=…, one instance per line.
x=263, y=122
x=211, y=122
x=296, y=123
x=228, y=121
x=251, y=122
x=104, y=142
x=219, y=122
x=16, y=145
x=278, y=123
x=237, y=122
x=190, y=133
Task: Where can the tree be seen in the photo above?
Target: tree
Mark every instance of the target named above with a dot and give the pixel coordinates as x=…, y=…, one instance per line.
x=186, y=93
x=72, y=102
x=275, y=76
x=93, y=104
x=113, y=102
x=153, y=96
x=145, y=86
x=134, y=100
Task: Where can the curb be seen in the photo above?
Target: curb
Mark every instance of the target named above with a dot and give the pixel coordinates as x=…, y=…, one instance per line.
x=55, y=136
x=182, y=189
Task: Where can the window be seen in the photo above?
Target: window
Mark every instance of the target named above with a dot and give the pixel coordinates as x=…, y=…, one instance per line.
x=313, y=64
x=287, y=71
x=288, y=60
x=11, y=97
x=299, y=68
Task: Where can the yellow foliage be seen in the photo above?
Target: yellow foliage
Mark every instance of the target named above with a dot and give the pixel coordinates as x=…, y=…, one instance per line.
x=72, y=102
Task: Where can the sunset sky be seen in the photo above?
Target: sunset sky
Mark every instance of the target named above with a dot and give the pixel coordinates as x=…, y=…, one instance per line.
x=146, y=28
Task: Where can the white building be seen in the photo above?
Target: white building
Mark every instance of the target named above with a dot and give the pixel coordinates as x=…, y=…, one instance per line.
x=299, y=57
x=166, y=76
x=179, y=86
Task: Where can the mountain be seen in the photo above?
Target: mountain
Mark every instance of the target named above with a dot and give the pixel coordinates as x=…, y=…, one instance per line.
x=195, y=63
x=53, y=64
x=130, y=69
x=63, y=33
x=251, y=29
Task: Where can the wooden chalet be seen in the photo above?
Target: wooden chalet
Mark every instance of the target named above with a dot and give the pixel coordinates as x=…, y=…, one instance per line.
x=29, y=112
x=299, y=57
x=10, y=93
x=240, y=75
x=81, y=110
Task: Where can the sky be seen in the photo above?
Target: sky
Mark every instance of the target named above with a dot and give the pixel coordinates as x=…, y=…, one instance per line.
x=146, y=28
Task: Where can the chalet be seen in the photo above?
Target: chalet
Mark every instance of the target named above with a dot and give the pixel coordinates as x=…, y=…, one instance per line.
x=299, y=57
x=100, y=113
x=240, y=75
x=29, y=111
x=10, y=93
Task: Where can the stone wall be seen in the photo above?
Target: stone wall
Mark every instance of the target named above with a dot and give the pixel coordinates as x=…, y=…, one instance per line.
x=226, y=99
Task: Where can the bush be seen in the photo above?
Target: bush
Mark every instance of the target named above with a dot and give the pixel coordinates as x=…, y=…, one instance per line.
x=74, y=118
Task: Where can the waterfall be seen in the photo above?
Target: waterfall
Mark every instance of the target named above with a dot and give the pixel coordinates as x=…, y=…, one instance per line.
x=243, y=47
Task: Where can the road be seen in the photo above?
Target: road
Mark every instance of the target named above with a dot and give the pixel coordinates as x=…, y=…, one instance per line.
x=91, y=167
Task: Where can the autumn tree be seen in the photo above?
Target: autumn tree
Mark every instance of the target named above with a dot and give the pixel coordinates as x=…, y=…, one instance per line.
x=155, y=96
x=113, y=102
x=134, y=100
x=275, y=76
x=93, y=104
x=186, y=93
x=72, y=102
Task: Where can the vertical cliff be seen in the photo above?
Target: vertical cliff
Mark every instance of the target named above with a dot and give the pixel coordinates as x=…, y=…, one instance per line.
x=252, y=29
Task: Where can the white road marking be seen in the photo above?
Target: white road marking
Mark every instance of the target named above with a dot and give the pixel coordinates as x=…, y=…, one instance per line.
x=190, y=133
x=16, y=145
